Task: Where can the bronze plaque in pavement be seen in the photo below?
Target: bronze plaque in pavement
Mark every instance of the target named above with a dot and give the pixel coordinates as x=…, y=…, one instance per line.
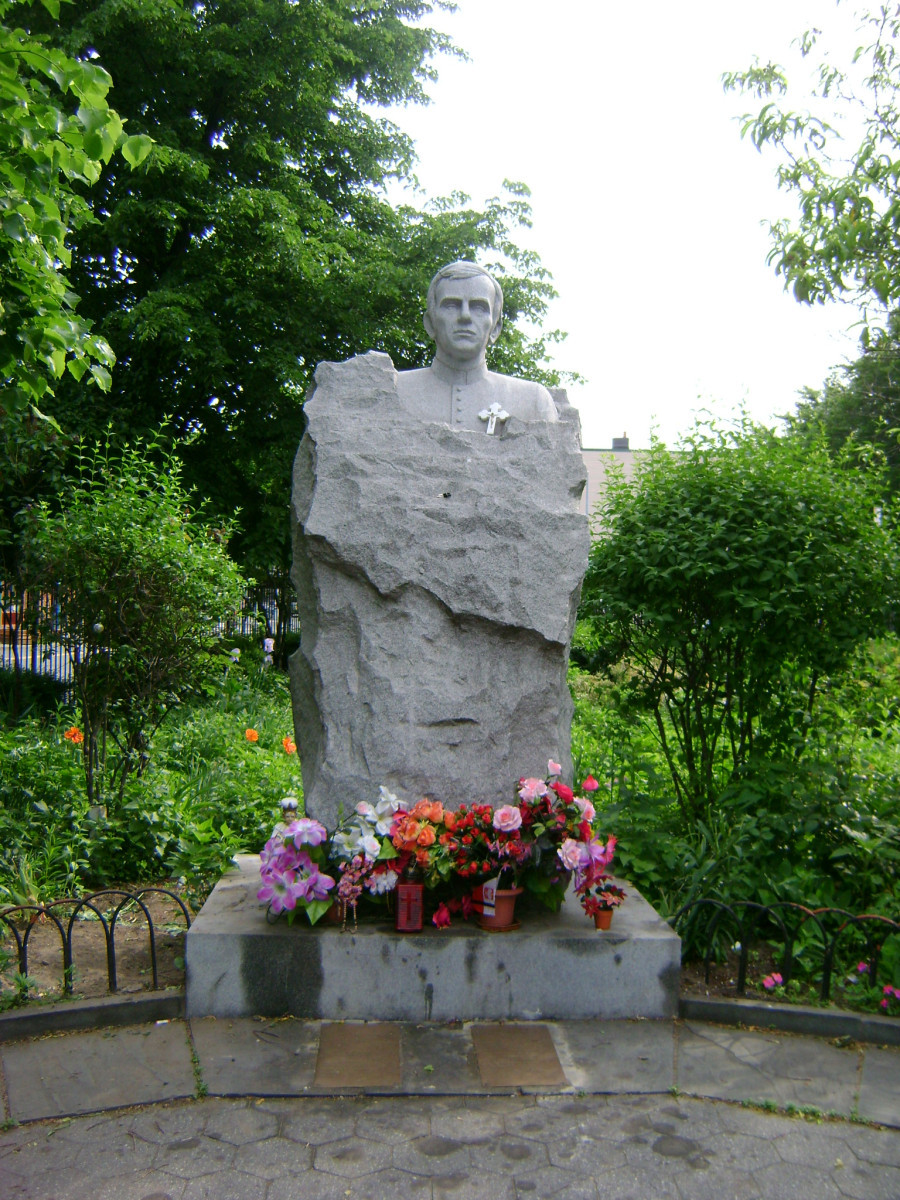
x=517, y=1056
x=359, y=1055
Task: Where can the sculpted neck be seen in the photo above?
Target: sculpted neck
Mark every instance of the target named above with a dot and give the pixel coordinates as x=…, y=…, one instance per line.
x=459, y=374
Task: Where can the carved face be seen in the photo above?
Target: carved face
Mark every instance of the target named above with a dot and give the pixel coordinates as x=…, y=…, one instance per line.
x=461, y=321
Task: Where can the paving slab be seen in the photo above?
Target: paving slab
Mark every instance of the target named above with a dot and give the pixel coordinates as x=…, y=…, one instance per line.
x=246, y=1056
x=358, y=1056
x=66, y=1074
x=731, y=1064
x=517, y=1056
x=617, y=1057
x=438, y=1060
x=879, y=1092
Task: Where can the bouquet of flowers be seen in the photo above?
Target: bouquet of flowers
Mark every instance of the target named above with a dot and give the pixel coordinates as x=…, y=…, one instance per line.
x=291, y=870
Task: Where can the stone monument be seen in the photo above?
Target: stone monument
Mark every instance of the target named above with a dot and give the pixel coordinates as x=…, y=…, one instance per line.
x=438, y=558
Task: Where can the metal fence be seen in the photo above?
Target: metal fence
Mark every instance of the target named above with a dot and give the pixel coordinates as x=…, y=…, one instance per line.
x=30, y=625
x=62, y=916
x=824, y=941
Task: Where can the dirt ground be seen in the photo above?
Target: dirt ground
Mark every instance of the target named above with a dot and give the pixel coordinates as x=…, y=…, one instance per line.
x=90, y=975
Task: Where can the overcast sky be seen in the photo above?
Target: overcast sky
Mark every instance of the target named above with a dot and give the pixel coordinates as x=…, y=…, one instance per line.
x=648, y=206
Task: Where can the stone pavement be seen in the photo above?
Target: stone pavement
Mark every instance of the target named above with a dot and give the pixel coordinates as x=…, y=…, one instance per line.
x=298, y=1110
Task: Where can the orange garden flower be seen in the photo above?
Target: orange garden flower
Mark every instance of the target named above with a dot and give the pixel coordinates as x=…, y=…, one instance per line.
x=251, y=735
x=406, y=833
x=73, y=734
x=290, y=746
x=428, y=810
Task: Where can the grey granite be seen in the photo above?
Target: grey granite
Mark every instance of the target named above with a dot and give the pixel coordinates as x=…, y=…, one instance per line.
x=438, y=572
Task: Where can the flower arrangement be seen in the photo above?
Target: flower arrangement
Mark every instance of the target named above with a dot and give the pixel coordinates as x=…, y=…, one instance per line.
x=538, y=841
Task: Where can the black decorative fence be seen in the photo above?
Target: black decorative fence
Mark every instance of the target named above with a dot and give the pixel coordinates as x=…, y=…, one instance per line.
x=30, y=628
x=63, y=916
x=828, y=939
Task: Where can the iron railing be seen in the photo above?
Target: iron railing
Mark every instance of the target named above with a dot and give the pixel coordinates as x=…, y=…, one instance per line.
x=818, y=933
x=37, y=916
x=30, y=627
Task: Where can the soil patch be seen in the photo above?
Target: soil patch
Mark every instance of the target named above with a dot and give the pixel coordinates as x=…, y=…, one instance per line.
x=90, y=958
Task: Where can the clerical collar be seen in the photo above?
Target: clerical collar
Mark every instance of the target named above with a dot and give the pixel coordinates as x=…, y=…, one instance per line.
x=453, y=375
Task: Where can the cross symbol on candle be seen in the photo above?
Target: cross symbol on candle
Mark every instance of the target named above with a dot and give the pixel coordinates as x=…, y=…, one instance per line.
x=492, y=415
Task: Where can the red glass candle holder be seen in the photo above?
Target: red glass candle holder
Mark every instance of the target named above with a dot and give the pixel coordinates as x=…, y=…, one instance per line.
x=410, y=903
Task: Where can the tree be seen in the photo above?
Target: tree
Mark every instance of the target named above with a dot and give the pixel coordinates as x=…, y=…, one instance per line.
x=728, y=578
x=256, y=240
x=859, y=407
x=841, y=162
x=142, y=580
x=56, y=133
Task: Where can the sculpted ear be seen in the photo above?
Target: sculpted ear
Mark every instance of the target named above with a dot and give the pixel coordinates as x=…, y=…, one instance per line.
x=426, y=321
x=495, y=332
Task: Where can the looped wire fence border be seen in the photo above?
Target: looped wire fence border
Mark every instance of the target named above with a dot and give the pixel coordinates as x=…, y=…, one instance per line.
x=11, y=914
x=874, y=927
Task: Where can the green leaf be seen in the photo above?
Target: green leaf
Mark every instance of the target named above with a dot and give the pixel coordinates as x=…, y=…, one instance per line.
x=136, y=148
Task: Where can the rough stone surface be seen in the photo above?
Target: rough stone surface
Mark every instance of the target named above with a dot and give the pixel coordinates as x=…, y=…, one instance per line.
x=438, y=572
x=556, y=965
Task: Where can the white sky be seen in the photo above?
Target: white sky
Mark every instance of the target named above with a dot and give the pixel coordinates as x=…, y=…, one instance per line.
x=648, y=206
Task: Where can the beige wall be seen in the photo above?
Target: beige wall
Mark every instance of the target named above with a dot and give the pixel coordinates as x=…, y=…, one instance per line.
x=596, y=463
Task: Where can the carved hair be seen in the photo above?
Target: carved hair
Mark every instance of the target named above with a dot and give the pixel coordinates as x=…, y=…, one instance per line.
x=464, y=270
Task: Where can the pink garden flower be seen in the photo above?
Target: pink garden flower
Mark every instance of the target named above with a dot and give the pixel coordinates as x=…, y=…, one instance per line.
x=304, y=831
x=772, y=981
x=586, y=809
x=507, y=819
x=572, y=854
x=279, y=890
x=531, y=790
x=553, y=768
x=590, y=784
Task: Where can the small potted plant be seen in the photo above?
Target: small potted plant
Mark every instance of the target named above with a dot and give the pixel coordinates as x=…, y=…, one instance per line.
x=600, y=901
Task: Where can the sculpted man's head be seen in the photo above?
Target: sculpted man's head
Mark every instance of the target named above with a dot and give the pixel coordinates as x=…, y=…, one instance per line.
x=463, y=313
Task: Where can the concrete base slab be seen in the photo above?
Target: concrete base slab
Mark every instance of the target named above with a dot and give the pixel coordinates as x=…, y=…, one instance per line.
x=618, y=1057
x=555, y=966
x=879, y=1093
x=115, y=1068
x=729, y=1064
x=249, y=1056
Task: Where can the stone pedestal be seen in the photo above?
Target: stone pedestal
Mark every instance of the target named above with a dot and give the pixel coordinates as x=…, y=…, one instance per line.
x=555, y=966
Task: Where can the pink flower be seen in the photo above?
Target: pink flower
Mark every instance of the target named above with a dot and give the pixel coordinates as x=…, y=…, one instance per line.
x=564, y=792
x=553, y=768
x=571, y=854
x=532, y=789
x=441, y=918
x=884, y=1003
x=590, y=784
x=279, y=890
x=586, y=809
x=507, y=819
x=772, y=981
x=862, y=968
x=306, y=832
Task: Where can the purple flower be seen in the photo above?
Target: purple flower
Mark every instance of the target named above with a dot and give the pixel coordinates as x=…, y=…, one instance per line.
x=772, y=981
x=306, y=832
x=863, y=968
x=279, y=890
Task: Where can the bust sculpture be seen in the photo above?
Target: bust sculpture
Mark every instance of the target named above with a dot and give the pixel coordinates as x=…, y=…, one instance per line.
x=426, y=505
x=464, y=315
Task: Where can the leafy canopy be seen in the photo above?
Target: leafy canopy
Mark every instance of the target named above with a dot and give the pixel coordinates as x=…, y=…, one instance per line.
x=841, y=162
x=726, y=578
x=256, y=240
x=143, y=579
x=56, y=133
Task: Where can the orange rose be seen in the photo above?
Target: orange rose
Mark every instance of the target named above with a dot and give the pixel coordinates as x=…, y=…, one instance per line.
x=449, y=821
x=426, y=836
x=429, y=810
x=422, y=858
x=405, y=834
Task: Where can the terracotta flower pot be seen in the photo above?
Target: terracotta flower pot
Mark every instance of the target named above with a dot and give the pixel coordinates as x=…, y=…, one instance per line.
x=603, y=918
x=504, y=915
